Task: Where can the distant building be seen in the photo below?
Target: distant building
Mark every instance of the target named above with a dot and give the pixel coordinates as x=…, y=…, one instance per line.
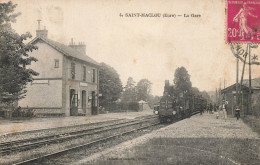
x=68, y=79
x=229, y=94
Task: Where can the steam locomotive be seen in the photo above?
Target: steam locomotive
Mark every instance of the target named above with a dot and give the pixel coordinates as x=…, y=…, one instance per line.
x=175, y=108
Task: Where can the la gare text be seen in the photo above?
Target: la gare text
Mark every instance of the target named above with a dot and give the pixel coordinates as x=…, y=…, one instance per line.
x=130, y=15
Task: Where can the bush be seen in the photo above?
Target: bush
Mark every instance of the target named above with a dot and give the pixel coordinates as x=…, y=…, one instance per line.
x=121, y=107
x=17, y=112
x=133, y=106
x=23, y=113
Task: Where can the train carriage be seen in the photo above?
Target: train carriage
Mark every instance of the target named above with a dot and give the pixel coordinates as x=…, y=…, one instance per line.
x=172, y=108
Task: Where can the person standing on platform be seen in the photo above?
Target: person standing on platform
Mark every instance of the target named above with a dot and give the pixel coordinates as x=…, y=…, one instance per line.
x=220, y=112
x=237, y=112
x=224, y=108
x=216, y=110
x=210, y=108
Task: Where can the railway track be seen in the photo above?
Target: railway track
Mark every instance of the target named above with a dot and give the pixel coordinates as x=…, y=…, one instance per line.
x=32, y=143
x=58, y=129
x=25, y=144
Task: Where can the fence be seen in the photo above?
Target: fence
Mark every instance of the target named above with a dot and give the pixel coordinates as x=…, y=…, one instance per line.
x=16, y=112
x=121, y=107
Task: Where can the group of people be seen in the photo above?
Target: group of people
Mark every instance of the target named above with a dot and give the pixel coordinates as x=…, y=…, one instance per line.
x=218, y=110
x=212, y=108
x=221, y=110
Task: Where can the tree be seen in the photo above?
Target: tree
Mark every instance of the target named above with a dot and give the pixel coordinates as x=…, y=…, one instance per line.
x=182, y=83
x=129, y=93
x=153, y=100
x=195, y=91
x=156, y=99
x=143, y=89
x=110, y=85
x=205, y=95
x=13, y=57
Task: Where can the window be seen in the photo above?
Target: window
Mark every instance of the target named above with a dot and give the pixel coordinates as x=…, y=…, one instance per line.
x=84, y=73
x=56, y=63
x=94, y=75
x=73, y=70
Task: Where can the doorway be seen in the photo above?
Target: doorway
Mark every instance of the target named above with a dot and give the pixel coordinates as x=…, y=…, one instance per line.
x=73, y=103
x=84, y=103
x=93, y=103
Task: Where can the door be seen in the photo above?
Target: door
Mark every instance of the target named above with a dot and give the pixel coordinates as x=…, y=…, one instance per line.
x=93, y=104
x=244, y=106
x=229, y=97
x=73, y=103
x=84, y=102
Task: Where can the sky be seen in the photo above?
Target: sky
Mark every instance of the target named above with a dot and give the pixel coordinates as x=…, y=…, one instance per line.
x=146, y=47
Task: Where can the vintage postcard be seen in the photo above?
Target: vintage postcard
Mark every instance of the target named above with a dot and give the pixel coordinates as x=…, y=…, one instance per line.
x=129, y=82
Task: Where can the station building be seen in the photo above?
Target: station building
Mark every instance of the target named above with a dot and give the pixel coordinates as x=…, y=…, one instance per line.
x=229, y=94
x=68, y=79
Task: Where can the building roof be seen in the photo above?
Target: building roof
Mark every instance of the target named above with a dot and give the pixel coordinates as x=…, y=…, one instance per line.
x=255, y=83
x=233, y=88
x=66, y=50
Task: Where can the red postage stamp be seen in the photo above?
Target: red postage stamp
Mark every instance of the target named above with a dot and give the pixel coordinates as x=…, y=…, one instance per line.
x=243, y=21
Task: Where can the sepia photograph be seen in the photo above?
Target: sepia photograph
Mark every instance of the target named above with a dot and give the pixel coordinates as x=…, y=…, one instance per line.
x=129, y=82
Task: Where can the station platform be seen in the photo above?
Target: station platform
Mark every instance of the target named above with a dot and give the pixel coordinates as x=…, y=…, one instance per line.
x=14, y=126
x=201, y=139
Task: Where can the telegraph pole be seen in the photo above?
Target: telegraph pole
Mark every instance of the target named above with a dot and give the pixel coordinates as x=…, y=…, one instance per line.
x=241, y=54
x=220, y=98
x=237, y=100
x=250, y=90
x=216, y=95
x=243, y=70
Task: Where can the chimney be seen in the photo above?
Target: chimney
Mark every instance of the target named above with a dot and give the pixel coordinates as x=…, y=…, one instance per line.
x=81, y=47
x=41, y=33
x=166, y=88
